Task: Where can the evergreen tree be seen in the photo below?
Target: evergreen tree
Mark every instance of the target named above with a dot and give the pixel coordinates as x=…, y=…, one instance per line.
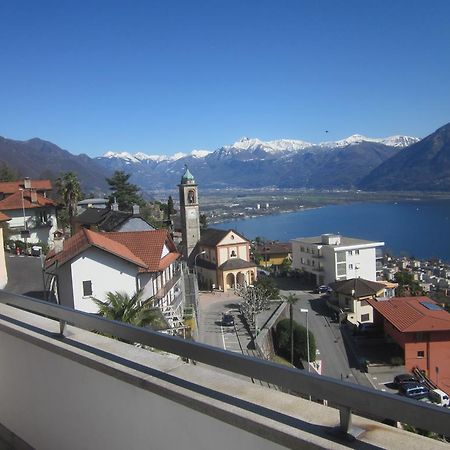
x=69, y=194
x=125, y=193
x=170, y=208
x=7, y=173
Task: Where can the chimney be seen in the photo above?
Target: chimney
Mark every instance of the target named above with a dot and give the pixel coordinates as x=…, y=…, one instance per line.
x=135, y=210
x=33, y=195
x=58, y=241
x=115, y=205
x=27, y=183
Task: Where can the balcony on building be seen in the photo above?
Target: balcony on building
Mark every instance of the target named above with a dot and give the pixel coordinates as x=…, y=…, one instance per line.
x=82, y=389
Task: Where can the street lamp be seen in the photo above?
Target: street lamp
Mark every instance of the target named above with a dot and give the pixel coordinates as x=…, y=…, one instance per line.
x=304, y=310
x=24, y=220
x=195, y=260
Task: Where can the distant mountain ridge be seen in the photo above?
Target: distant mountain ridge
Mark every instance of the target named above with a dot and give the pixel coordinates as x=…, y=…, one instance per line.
x=357, y=162
x=252, y=163
x=36, y=158
x=423, y=166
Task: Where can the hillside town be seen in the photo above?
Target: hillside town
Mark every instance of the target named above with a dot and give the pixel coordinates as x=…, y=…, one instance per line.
x=98, y=254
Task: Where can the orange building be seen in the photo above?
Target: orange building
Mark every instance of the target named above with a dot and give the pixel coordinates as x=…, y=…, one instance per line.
x=422, y=329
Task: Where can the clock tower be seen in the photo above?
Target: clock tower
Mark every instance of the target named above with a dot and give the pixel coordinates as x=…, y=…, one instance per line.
x=189, y=211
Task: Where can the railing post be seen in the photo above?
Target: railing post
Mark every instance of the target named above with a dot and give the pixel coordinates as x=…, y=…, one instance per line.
x=345, y=419
x=62, y=327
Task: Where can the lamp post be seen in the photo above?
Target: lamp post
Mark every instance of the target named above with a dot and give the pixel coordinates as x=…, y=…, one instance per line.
x=304, y=310
x=24, y=220
x=195, y=260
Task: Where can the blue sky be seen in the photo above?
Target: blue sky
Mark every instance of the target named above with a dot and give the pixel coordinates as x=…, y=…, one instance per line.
x=169, y=76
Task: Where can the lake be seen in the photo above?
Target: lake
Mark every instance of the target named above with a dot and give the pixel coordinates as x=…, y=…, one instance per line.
x=413, y=228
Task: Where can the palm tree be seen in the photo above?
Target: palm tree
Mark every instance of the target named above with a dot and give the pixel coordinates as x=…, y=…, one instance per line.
x=291, y=299
x=69, y=192
x=133, y=310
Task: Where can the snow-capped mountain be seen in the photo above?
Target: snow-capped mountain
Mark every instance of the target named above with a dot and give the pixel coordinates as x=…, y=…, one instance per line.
x=256, y=147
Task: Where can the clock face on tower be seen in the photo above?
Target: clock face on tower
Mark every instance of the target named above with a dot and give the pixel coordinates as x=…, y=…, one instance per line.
x=191, y=214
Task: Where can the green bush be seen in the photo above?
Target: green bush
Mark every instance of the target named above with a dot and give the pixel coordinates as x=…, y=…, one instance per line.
x=283, y=341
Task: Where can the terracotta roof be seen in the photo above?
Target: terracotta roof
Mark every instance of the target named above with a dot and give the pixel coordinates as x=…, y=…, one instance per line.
x=9, y=187
x=274, y=248
x=143, y=248
x=213, y=236
x=357, y=287
x=148, y=245
x=14, y=201
x=408, y=314
x=4, y=217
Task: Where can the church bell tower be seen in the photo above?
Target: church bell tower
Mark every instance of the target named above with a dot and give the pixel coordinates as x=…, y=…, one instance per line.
x=190, y=213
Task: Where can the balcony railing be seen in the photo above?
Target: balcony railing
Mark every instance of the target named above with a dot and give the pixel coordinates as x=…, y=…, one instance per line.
x=345, y=396
x=168, y=286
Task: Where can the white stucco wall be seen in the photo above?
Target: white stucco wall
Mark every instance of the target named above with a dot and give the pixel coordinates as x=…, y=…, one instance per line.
x=37, y=234
x=3, y=271
x=108, y=273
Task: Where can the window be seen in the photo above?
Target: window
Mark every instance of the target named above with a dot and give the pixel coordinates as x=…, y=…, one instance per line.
x=233, y=254
x=350, y=266
x=364, y=317
x=356, y=252
x=302, y=249
x=87, y=288
x=420, y=354
x=349, y=253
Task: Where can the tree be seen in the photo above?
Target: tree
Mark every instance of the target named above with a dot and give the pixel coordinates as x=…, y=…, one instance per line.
x=269, y=286
x=69, y=193
x=133, y=310
x=203, y=222
x=283, y=340
x=7, y=173
x=291, y=300
x=170, y=208
x=124, y=192
x=407, y=284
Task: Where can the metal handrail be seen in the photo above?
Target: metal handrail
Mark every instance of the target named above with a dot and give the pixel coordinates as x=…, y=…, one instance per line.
x=348, y=397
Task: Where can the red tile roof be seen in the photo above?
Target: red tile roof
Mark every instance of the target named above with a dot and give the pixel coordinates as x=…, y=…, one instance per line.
x=9, y=187
x=143, y=248
x=14, y=201
x=407, y=314
x=4, y=217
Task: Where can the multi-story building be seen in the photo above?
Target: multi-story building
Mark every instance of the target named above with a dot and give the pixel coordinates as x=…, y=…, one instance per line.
x=329, y=257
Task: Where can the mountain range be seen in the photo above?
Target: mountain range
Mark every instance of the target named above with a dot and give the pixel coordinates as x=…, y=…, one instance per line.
x=357, y=162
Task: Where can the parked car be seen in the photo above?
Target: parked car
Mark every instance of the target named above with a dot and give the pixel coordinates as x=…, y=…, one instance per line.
x=413, y=390
x=439, y=397
x=323, y=290
x=368, y=329
x=36, y=250
x=404, y=378
x=227, y=320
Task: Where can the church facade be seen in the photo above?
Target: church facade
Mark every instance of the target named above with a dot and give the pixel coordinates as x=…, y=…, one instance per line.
x=221, y=258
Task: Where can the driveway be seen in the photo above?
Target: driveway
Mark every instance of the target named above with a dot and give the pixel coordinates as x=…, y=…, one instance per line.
x=24, y=275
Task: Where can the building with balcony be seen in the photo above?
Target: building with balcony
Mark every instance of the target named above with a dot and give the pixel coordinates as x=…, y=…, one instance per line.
x=329, y=257
x=32, y=213
x=421, y=328
x=90, y=264
x=223, y=259
x=273, y=254
x=80, y=389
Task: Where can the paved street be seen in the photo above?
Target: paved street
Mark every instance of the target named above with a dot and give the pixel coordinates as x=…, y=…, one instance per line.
x=24, y=275
x=336, y=356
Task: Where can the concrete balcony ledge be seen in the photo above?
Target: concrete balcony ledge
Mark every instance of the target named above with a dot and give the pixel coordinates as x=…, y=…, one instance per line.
x=89, y=391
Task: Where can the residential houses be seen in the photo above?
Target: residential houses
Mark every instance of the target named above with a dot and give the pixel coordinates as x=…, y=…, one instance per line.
x=421, y=327
x=273, y=254
x=350, y=299
x=222, y=259
x=90, y=264
x=105, y=219
x=330, y=257
x=32, y=214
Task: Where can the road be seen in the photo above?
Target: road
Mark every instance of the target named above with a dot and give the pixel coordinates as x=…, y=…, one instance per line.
x=24, y=275
x=337, y=358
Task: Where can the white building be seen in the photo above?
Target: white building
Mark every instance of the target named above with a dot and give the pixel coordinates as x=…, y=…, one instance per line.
x=33, y=216
x=331, y=257
x=91, y=264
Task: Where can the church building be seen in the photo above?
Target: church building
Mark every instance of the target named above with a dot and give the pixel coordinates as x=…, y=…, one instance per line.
x=221, y=258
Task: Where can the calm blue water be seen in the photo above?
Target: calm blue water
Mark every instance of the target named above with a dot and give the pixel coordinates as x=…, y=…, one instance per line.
x=420, y=229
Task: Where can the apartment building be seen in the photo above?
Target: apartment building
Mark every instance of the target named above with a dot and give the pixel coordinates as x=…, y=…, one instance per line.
x=331, y=257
